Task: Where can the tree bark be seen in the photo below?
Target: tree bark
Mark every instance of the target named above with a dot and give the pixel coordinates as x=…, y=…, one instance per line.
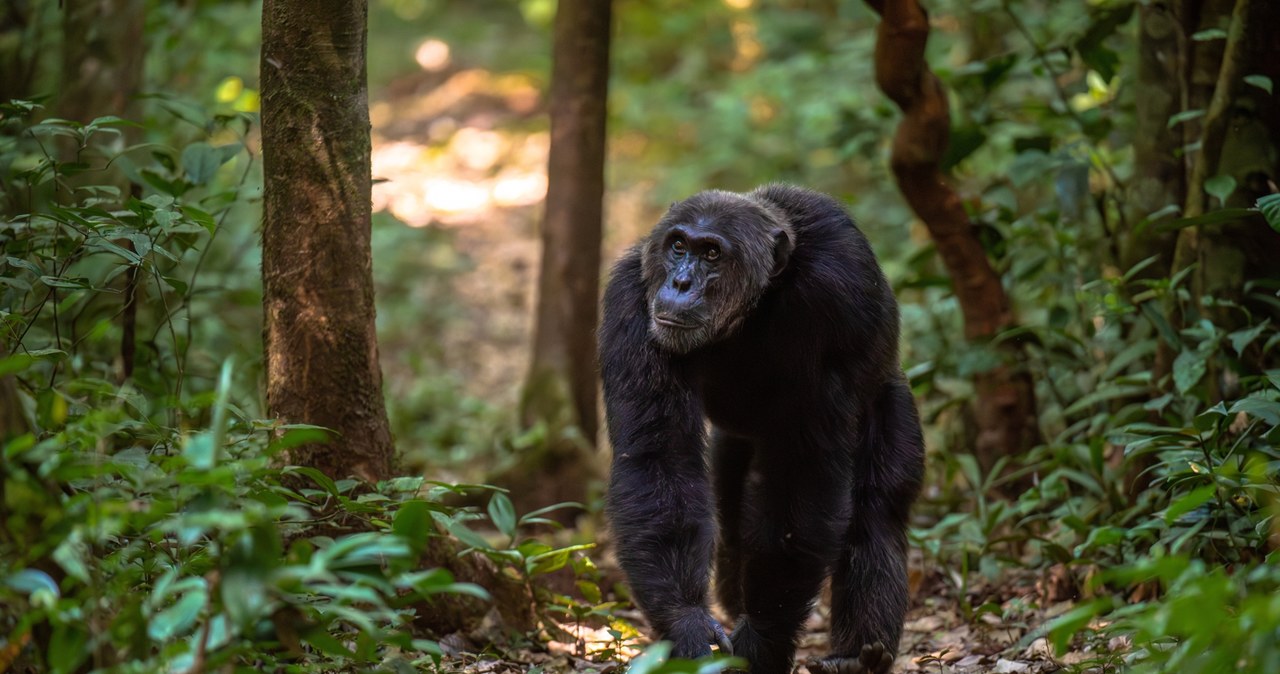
x=1004, y=406
x=320, y=345
x=1158, y=177
x=561, y=385
x=102, y=55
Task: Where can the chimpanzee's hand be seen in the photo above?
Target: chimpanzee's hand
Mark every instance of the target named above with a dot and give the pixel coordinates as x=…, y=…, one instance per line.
x=873, y=659
x=694, y=635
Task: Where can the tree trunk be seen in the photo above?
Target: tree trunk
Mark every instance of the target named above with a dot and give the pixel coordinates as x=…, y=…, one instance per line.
x=1235, y=138
x=1004, y=405
x=1158, y=177
x=22, y=44
x=102, y=56
x=320, y=345
x=561, y=386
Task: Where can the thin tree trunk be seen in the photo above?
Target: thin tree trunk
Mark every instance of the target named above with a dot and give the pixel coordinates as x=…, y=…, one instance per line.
x=561, y=385
x=102, y=56
x=103, y=50
x=1004, y=407
x=320, y=345
x=1159, y=180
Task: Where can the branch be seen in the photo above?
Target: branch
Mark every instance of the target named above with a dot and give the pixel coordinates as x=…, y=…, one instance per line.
x=918, y=147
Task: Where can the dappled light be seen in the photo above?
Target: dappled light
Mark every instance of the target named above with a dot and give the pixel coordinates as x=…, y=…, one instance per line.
x=432, y=55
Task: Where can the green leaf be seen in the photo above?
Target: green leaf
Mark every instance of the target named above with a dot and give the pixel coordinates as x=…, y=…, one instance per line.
x=535, y=516
x=1188, y=369
x=31, y=581
x=467, y=536
x=1211, y=218
x=200, y=451
x=1260, y=81
x=1104, y=21
x=1240, y=339
x=1188, y=502
x=179, y=618
x=1270, y=207
x=1065, y=626
x=1185, y=116
x=325, y=643
x=200, y=162
x=413, y=523
x=19, y=362
x=590, y=591
x=325, y=482
x=553, y=560
x=67, y=649
x=503, y=514
x=1262, y=408
x=1220, y=186
x=654, y=655
x=1209, y=34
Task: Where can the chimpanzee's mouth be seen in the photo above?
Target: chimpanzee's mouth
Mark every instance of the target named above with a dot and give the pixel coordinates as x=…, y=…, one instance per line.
x=671, y=322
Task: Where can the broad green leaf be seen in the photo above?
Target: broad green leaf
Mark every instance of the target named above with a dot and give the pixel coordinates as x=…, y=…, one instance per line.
x=1261, y=81
x=654, y=655
x=67, y=648
x=179, y=618
x=19, y=362
x=1270, y=207
x=319, y=478
x=1188, y=369
x=1255, y=406
x=502, y=514
x=200, y=451
x=1064, y=627
x=413, y=523
x=1189, y=502
x=31, y=581
x=553, y=560
x=1220, y=186
x=590, y=591
x=467, y=536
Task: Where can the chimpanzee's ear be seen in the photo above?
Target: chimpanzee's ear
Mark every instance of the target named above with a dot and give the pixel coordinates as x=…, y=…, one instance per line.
x=783, y=244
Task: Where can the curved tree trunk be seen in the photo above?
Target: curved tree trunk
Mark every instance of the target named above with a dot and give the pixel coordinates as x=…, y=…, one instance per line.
x=1005, y=405
x=320, y=346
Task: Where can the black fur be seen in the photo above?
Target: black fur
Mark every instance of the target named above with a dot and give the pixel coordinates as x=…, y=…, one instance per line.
x=788, y=344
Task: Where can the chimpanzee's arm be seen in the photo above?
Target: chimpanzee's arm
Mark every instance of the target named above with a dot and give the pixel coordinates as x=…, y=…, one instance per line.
x=659, y=501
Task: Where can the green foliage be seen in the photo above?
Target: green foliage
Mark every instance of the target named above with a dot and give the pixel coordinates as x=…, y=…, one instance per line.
x=656, y=660
x=102, y=252
x=147, y=548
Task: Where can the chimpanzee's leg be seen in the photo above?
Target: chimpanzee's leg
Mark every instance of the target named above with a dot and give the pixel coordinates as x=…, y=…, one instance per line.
x=869, y=584
x=794, y=519
x=730, y=463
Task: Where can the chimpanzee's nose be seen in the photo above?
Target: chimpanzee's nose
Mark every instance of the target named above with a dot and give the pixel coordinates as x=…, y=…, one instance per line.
x=681, y=282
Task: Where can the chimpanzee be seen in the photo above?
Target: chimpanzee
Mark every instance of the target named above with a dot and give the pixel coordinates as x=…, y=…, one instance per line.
x=766, y=314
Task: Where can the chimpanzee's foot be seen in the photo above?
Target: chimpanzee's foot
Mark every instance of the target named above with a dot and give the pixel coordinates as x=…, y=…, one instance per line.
x=873, y=659
x=696, y=634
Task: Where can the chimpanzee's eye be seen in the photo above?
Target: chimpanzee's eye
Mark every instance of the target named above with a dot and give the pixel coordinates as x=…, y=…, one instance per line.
x=678, y=247
x=712, y=254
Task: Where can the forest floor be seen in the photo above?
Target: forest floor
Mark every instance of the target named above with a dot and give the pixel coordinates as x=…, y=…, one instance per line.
x=937, y=636
x=456, y=148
